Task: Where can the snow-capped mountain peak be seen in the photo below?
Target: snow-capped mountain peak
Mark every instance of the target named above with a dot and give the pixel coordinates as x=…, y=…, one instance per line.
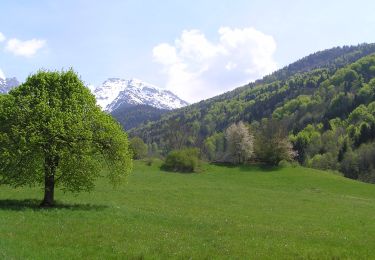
x=108, y=91
x=6, y=84
x=115, y=92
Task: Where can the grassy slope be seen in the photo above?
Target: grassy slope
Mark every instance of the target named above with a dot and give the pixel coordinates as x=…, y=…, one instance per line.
x=222, y=213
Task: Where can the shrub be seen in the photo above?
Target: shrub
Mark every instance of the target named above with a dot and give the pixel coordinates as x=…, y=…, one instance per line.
x=286, y=163
x=360, y=163
x=138, y=147
x=149, y=161
x=185, y=160
x=327, y=161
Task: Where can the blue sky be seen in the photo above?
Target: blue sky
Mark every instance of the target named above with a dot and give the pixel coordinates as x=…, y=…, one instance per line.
x=196, y=49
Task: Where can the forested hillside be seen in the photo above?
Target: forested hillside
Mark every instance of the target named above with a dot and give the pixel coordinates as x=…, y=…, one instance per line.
x=133, y=116
x=325, y=101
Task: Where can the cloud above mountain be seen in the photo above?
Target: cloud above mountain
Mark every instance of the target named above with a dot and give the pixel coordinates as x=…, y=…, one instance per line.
x=197, y=68
x=17, y=47
x=27, y=48
x=24, y=48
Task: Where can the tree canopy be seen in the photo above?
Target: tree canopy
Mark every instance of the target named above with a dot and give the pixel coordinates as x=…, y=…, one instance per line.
x=272, y=144
x=53, y=133
x=138, y=147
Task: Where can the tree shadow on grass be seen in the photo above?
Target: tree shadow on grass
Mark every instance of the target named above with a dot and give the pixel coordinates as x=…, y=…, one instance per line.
x=252, y=167
x=33, y=204
x=259, y=168
x=268, y=168
x=224, y=164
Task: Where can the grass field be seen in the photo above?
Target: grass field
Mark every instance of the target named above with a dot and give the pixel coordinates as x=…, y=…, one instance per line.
x=224, y=212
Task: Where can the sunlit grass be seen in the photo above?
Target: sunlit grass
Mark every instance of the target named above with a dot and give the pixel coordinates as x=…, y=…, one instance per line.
x=223, y=212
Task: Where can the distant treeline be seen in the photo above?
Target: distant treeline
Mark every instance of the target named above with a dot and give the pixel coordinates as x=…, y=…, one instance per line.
x=325, y=102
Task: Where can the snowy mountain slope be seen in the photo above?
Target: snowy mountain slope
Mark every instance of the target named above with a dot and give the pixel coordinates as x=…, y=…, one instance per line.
x=116, y=92
x=7, y=84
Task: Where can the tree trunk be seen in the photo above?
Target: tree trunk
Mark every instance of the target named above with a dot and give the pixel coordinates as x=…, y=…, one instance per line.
x=50, y=165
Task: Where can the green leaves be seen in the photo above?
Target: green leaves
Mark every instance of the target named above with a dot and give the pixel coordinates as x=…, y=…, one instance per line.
x=184, y=160
x=53, y=115
x=138, y=147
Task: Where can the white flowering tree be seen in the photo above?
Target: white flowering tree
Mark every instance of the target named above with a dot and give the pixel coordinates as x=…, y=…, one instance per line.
x=239, y=143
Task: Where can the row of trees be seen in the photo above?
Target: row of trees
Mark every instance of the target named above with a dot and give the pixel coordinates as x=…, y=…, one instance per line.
x=327, y=112
x=266, y=142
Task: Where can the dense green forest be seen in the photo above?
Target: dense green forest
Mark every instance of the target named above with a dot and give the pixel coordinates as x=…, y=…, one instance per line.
x=133, y=116
x=325, y=102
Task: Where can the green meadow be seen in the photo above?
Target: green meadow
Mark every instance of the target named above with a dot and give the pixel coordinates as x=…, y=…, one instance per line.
x=223, y=212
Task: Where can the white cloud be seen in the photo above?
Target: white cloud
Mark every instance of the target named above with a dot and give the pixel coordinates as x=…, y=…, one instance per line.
x=165, y=54
x=2, y=37
x=197, y=68
x=2, y=75
x=24, y=48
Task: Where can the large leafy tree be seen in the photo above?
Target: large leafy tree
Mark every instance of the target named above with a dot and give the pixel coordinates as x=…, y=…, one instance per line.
x=272, y=144
x=53, y=133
